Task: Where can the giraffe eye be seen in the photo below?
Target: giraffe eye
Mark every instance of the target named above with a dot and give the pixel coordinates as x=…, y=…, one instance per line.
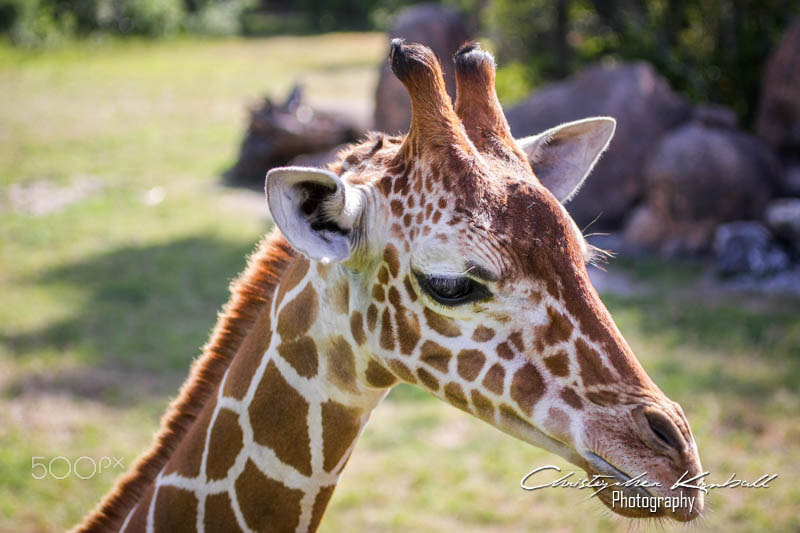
x=452, y=290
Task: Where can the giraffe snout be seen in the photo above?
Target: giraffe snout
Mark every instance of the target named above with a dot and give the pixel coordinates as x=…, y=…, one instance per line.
x=663, y=428
x=660, y=431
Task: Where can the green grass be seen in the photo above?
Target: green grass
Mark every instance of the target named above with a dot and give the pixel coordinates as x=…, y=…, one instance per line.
x=106, y=301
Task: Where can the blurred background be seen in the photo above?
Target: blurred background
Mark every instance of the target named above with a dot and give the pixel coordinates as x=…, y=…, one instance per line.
x=134, y=137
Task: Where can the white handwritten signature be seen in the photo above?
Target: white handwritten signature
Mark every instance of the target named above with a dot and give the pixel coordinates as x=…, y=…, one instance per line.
x=599, y=482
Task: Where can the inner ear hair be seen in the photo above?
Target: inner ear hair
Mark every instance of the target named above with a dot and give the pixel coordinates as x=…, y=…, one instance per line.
x=320, y=204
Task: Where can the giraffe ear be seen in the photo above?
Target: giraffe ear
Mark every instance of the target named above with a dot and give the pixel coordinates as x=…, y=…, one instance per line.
x=563, y=156
x=315, y=210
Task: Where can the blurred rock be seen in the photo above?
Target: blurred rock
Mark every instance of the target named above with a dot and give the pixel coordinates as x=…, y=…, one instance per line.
x=646, y=230
x=778, y=120
x=715, y=115
x=442, y=29
x=783, y=283
x=698, y=177
x=643, y=228
x=615, y=243
x=319, y=159
x=747, y=248
x=279, y=133
x=645, y=108
x=791, y=180
x=783, y=218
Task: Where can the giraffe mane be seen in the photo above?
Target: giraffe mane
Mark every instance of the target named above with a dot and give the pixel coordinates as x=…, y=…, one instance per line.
x=250, y=292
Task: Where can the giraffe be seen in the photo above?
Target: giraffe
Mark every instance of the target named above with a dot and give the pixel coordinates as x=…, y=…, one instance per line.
x=440, y=259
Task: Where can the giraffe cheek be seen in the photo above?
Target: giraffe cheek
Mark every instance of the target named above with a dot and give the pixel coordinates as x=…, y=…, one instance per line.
x=557, y=425
x=527, y=388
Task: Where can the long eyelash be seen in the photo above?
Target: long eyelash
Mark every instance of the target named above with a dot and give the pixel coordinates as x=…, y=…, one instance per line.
x=448, y=283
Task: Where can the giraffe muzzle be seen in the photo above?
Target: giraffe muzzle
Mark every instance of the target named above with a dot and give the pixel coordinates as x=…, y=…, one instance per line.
x=659, y=432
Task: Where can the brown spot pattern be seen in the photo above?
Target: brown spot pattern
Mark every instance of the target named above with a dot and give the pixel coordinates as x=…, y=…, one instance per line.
x=558, y=364
x=383, y=275
x=225, y=443
x=493, y=380
x=516, y=340
x=219, y=514
x=341, y=297
x=176, y=510
x=385, y=185
x=455, y=395
x=320, y=504
x=340, y=427
x=294, y=275
x=593, y=371
x=301, y=354
x=342, y=364
x=397, y=207
x=379, y=377
x=267, y=504
x=572, y=398
x=557, y=329
x=505, y=351
x=372, y=317
x=387, y=335
x=402, y=371
x=357, y=327
x=428, y=379
x=412, y=295
x=483, y=406
x=394, y=297
x=297, y=316
x=391, y=257
x=603, y=397
x=527, y=387
x=441, y=324
x=278, y=415
x=435, y=355
x=378, y=293
x=470, y=363
x=482, y=334
x=408, y=330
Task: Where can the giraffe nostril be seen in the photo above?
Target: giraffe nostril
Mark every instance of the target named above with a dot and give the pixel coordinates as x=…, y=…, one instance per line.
x=664, y=429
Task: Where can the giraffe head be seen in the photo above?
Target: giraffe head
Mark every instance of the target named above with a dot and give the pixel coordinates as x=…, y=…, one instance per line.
x=467, y=276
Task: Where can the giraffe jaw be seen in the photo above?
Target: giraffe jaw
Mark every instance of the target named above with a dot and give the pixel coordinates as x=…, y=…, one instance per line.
x=597, y=466
x=601, y=467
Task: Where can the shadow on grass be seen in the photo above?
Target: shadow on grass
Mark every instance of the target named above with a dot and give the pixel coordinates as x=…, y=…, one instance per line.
x=720, y=343
x=147, y=312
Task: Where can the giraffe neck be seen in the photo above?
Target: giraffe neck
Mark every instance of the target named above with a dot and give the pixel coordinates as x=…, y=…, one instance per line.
x=267, y=450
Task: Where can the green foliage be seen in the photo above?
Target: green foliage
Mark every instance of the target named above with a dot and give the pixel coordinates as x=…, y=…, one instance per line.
x=218, y=17
x=34, y=23
x=709, y=51
x=152, y=18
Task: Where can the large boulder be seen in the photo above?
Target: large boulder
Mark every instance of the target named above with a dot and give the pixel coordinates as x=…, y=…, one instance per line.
x=698, y=177
x=783, y=218
x=442, y=29
x=645, y=108
x=748, y=248
x=778, y=120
